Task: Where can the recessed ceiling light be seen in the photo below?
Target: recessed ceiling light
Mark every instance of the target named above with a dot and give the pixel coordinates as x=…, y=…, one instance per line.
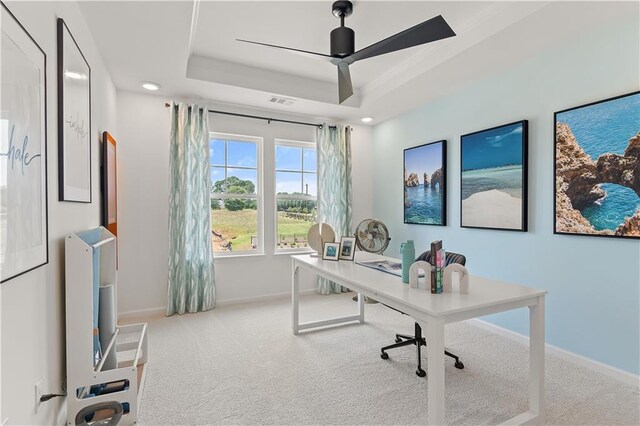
x=74, y=75
x=150, y=85
x=366, y=119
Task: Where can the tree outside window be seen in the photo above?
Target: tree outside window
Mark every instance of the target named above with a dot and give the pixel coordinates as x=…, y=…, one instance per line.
x=235, y=196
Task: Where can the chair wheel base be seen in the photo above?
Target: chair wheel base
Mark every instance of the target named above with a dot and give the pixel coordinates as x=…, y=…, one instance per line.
x=421, y=373
x=459, y=365
x=384, y=355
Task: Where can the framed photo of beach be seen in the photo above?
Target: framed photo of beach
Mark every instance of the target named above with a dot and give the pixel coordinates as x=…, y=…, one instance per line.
x=493, y=182
x=425, y=184
x=597, y=168
x=24, y=245
x=74, y=119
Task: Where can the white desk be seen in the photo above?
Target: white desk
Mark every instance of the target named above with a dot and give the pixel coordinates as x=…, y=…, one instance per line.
x=432, y=312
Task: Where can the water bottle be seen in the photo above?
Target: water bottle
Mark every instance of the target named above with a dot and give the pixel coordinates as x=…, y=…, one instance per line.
x=408, y=252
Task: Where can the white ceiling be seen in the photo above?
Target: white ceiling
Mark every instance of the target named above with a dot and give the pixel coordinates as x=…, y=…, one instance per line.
x=189, y=48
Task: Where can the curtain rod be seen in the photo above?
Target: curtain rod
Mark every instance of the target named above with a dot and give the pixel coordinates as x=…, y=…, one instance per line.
x=257, y=117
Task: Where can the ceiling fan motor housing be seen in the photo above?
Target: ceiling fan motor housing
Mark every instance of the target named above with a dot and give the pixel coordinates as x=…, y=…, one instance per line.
x=342, y=42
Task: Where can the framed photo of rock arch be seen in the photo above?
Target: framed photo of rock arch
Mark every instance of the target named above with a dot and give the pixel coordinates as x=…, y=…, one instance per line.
x=597, y=168
x=425, y=184
x=493, y=178
x=109, y=184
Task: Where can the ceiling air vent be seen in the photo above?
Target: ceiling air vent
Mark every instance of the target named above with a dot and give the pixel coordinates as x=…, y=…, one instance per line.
x=280, y=101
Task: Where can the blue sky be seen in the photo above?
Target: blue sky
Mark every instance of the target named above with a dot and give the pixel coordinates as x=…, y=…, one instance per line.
x=425, y=159
x=291, y=158
x=288, y=159
x=492, y=148
x=243, y=154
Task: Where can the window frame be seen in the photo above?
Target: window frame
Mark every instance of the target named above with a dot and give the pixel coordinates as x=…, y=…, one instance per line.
x=293, y=144
x=258, y=196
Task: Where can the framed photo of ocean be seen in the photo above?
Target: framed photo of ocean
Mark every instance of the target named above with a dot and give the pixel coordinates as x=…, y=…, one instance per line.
x=597, y=168
x=493, y=183
x=425, y=184
x=24, y=244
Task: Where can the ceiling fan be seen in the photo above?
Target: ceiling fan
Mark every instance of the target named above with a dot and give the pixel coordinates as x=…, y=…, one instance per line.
x=343, y=51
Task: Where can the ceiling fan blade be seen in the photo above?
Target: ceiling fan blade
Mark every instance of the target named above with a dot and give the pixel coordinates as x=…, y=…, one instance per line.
x=345, y=89
x=306, y=53
x=428, y=31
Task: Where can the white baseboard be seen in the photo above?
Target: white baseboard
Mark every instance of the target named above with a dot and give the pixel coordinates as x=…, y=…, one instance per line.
x=254, y=299
x=161, y=310
x=607, y=370
x=150, y=312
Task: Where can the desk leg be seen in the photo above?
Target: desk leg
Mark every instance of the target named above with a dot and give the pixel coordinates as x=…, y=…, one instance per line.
x=435, y=370
x=361, y=307
x=536, y=360
x=294, y=297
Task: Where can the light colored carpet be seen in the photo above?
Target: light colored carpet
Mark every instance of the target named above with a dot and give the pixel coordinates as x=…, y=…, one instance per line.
x=241, y=364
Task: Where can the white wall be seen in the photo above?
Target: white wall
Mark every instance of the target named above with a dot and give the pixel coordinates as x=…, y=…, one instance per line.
x=593, y=305
x=143, y=144
x=33, y=329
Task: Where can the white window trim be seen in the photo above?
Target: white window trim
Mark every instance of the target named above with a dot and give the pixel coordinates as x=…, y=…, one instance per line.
x=293, y=144
x=259, y=196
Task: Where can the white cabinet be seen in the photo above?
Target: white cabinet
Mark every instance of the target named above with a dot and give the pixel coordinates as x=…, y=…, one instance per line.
x=115, y=370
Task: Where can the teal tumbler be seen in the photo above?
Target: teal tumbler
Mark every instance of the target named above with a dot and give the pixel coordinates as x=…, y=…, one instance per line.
x=408, y=252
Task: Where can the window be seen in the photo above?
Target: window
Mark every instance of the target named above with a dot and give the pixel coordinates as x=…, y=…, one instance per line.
x=296, y=180
x=236, y=193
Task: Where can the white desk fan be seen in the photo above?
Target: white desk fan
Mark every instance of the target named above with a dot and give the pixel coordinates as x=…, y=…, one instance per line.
x=372, y=236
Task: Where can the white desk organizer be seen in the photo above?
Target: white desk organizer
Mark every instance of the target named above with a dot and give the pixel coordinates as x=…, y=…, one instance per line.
x=447, y=278
x=414, y=274
x=128, y=342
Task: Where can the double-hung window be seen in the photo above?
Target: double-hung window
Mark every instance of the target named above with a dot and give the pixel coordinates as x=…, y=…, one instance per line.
x=236, y=193
x=296, y=179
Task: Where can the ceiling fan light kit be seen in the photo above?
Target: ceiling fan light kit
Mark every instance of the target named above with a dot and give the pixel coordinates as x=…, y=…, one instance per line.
x=343, y=51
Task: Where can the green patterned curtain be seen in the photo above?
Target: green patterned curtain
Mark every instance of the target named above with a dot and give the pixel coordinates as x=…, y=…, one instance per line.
x=334, y=187
x=191, y=273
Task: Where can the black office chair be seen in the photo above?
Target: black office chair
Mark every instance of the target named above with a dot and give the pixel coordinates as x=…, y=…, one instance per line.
x=417, y=339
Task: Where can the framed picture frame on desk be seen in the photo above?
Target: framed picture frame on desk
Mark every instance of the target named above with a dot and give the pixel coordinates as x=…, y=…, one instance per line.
x=331, y=251
x=347, y=248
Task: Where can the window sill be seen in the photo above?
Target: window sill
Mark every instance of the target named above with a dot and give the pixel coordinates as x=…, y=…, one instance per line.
x=254, y=255
x=293, y=252
x=237, y=256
